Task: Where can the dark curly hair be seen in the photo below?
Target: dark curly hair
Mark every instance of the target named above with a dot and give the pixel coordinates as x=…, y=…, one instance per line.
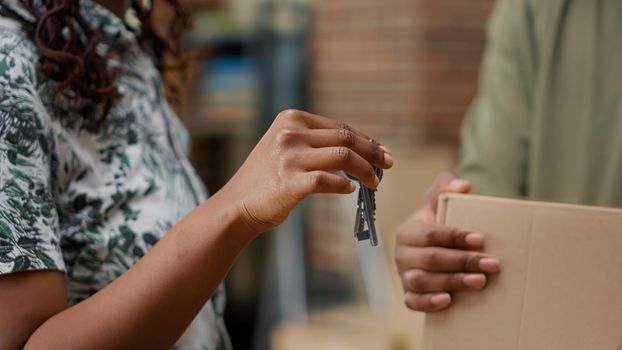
x=67, y=44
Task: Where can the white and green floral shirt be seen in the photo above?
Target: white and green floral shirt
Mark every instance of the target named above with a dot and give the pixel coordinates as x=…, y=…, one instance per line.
x=92, y=203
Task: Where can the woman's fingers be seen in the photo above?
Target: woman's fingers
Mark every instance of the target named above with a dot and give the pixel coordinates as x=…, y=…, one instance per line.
x=313, y=121
x=323, y=182
x=370, y=150
x=340, y=159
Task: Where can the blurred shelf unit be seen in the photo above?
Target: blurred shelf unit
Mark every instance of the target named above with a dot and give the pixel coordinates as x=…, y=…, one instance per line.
x=224, y=89
x=226, y=99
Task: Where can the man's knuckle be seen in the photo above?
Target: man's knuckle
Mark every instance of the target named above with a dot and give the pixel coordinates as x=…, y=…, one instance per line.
x=428, y=234
x=412, y=302
x=459, y=238
x=431, y=259
x=401, y=234
x=402, y=258
x=470, y=262
x=456, y=237
x=417, y=280
x=455, y=282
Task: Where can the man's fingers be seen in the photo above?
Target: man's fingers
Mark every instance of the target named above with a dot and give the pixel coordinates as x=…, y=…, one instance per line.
x=427, y=234
x=419, y=281
x=435, y=259
x=429, y=302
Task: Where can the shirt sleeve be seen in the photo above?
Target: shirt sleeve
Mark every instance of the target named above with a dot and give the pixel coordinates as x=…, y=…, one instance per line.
x=496, y=131
x=29, y=237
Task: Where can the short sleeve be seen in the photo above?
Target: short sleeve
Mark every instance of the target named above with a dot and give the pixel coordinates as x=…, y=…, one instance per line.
x=496, y=133
x=29, y=237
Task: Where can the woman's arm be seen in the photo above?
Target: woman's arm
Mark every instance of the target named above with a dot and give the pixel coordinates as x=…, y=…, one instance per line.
x=150, y=305
x=153, y=302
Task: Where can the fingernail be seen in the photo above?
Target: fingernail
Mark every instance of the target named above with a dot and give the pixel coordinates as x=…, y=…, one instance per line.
x=440, y=299
x=352, y=187
x=489, y=264
x=459, y=183
x=376, y=180
x=385, y=149
x=474, y=239
x=388, y=160
x=476, y=280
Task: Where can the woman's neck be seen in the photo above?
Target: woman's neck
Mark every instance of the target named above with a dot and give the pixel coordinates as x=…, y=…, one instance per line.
x=115, y=6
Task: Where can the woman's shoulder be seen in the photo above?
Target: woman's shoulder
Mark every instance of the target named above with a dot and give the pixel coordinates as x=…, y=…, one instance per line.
x=18, y=60
x=18, y=55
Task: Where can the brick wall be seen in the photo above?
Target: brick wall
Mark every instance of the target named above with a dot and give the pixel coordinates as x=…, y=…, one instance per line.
x=405, y=70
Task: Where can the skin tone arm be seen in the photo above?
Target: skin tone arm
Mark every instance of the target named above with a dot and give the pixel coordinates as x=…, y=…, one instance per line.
x=153, y=302
x=435, y=260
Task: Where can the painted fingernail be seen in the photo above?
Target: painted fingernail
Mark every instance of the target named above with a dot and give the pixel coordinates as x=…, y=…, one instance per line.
x=474, y=239
x=440, y=299
x=489, y=264
x=476, y=280
x=388, y=160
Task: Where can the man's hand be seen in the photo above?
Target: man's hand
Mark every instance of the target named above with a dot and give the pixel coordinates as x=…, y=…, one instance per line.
x=435, y=260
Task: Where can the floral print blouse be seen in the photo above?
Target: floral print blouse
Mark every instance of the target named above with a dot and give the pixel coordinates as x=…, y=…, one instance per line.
x=92, y=203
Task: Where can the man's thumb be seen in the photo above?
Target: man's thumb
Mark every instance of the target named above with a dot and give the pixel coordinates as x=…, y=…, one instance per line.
x=445, y=182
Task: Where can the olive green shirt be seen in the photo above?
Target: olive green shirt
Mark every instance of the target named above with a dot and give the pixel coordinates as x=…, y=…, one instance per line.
x=547, y=123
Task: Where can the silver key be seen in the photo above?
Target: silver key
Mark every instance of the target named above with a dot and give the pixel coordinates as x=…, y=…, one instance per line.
x=366, y=213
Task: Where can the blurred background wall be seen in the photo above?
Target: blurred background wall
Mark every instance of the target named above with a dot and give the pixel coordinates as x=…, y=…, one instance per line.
x=403, y=71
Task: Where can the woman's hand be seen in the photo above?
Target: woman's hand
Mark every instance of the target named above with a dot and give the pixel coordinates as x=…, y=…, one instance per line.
x=298, y=156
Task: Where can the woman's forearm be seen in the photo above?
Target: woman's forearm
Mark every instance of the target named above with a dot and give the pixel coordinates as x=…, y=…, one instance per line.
x=151, y=305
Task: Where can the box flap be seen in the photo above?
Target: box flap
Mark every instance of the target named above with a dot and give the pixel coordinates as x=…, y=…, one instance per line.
x=560, y=285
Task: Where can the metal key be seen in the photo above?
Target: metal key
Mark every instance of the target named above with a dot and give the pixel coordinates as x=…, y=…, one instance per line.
x=366, y=212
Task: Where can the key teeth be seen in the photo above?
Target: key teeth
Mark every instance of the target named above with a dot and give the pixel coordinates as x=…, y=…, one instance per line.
x=366, y=213
x=362, y=235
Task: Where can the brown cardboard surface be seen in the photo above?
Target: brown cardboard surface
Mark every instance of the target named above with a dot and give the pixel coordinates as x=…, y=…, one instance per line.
x=399, y=194
x=560, y=285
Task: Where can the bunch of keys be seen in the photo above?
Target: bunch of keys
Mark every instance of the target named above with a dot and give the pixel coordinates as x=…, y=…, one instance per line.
x=366, y=212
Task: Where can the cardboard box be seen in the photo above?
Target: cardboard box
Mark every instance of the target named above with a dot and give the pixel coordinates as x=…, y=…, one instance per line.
x=560, y=285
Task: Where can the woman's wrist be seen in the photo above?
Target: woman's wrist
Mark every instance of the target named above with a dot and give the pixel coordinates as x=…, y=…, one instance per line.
x=223, y=215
